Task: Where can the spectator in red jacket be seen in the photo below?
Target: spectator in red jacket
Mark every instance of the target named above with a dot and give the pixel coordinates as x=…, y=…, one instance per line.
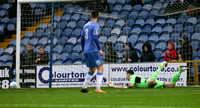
x=171, y=53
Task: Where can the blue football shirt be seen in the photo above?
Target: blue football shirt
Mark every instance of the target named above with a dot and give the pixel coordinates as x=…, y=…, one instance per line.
x=89, y=37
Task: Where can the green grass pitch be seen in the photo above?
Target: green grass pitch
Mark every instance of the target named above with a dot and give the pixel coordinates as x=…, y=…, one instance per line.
x=179, y=97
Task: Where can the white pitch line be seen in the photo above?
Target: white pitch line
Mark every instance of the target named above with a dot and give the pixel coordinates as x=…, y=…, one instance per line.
x=83, y=106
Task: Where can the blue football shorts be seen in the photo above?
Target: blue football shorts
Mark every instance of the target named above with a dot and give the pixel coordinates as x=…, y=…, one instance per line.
x=93, y=59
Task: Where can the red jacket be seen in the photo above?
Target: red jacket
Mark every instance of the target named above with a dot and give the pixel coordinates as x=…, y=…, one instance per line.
x=172, y=53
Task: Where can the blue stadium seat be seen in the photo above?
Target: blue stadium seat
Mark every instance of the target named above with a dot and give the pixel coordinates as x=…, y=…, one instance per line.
x=11, y=27
x=181, y=20
x=57, y=32
x=49, y=26
x=161, y=46
x=101, y=23
x=143, y=14
x=140, y=22
x=8, y=51
x=133, y=15
x=116, y=31
x=38, y=11
x=75, y=17
x=157, y=29
x=106, y=31
x=61, y=25
x=66, y=18
x=157, y=54
x=103, y=39
x=192, y=20
x=147, y=7
x=160, y=21
x=130, y=22
x=197, y=28
x=5, y=20
x=78, y=62
x=133, y=39
x=55, y=41
x=47, y=49
x=127, y=8
x=58, y=49
x=126, y=30
x=63, y=40
x=110, y=23
x=153, y=38
x=137, y=7
x=57, y=18
x=72, y=40
x=150, y=21
x=136, y=31
x=43, y=26
x=5, y=6
x=195, y=45
x=12, y=43
x=138, y=47
x=47, y=33
x=157, y=6
x=119, y=54
x=165, y=5
x=67, y=33
x=112, y=39
x=68, y=62
x=43, y=41
x=153, y=46
x=68, y=48
x=2, y=13
x=178, y=28
x=80, y=57
x=77, y=48
x=77, y=32
x=153, y=13
x=1, y=51
x=39, y=33
x=164, y=37
x=167, y=29
x=72, y=56
x=55, y=57
x=161, y=59
x=117, y=8
x=71, y=25
x=119, y=47
x=147, y=28
x=163, y=54
x=111, y=2
x=188, y=27
x=33, y=41
x=198, y=53
x=4, y=58
x=120, y=23
x=143, y=37
x=28, y=34
x=196, y=37
x=25, y=41
x=175, y=37
x=171, y=21
x=85, y=17
x=81, y=24
x=122, y=39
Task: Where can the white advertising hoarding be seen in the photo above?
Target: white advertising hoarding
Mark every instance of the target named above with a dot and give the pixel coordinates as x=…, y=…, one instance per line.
x=73, y=75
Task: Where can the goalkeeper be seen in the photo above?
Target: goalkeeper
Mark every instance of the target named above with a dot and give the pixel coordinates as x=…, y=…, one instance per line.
x=139, y=82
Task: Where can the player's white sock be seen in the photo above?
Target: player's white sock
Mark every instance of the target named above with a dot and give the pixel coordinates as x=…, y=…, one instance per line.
x=99, y=78
x=88, y=77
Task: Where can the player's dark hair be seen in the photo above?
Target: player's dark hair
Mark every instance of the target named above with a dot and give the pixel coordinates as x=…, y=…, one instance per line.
x=41, y=47
x=130, y=72
x=94, y=14
x=29, y=44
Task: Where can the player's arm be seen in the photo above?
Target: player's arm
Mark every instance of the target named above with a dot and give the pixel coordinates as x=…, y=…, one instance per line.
x=96, y=39
x=82, y=41
x=110, y=84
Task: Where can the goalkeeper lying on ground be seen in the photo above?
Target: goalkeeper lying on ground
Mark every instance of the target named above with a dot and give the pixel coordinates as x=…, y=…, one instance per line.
x=139, y=82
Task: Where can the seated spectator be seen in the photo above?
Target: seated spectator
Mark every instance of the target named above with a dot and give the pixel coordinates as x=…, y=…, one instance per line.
x=147, y=54
x=43, y=57
x=105, y=6
x=171, y=53
x=186, y=51
x=29, y=56
x=130, y=55
x=110, y=55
